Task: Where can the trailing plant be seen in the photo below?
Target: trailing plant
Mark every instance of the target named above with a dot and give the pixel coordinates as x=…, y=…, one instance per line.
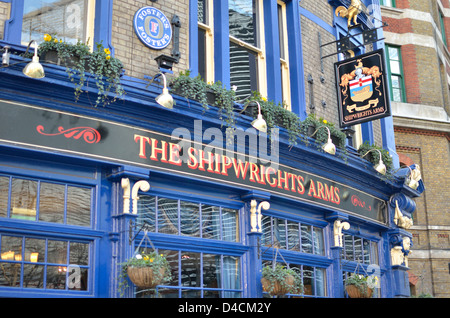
x=279, y=274
x=157, y=262
x=374, y=156
x=65, y=51
x=79, y=60
x=276, y=115
x=191, y=87
x=107, y=71
x=197, y=89
x=224, y=100
x=322, y=134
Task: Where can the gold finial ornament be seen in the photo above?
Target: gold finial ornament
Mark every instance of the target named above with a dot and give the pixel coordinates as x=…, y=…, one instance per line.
x=351, y=13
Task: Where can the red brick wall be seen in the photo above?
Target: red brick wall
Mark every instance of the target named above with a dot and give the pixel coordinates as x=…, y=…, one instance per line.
x=411, y=74
x=402, y=4
x=398, y=25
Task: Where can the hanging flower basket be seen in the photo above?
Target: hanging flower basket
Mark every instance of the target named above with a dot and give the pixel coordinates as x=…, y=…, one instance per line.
x=144, y=277
x=278, y=288
x=357, y=286
x=358, y=292
x=279, y=280
x=145, y=271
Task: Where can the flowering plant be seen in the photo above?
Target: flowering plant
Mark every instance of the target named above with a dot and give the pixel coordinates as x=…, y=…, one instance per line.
x=157, y=262
x=322, y=134
x=107, y=71
x=78, y=59
x=65, y=51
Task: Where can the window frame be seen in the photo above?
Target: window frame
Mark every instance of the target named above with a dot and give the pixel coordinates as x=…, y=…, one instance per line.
x=58, y=173
x=179, y=235
x=297, y=258
x=88, y=24
x=442, y=27
x=258, y=51
x=208, y=28
x=284, y=60
x=39, y=183
x=399, y=75
x=181, y=288
x=391, y=4
x=46, y=264
x=373, y=250
x=268, y=56
x=102, y=24
x=299, y=224
x=177, y=242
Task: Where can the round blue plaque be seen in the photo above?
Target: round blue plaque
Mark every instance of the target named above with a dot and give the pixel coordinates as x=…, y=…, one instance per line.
x=152, y=28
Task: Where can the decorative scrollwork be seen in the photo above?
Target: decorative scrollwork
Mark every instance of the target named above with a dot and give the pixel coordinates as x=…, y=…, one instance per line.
x=89, y=134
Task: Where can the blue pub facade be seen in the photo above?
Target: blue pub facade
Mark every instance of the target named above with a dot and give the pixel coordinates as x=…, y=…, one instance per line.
x=83, y=186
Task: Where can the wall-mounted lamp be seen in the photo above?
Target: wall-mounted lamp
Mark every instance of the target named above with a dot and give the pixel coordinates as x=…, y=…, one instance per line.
x=380, y=167
x=34, y=69
x=165, y=62
x=328, y=147
x=5, y=56
x=164, y=99
x=259, y=123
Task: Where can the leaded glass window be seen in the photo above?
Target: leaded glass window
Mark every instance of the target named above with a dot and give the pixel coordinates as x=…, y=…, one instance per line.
x=178, y=217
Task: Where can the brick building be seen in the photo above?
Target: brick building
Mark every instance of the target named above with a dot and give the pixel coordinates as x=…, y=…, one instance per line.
x=90, y=177
x=418, y=38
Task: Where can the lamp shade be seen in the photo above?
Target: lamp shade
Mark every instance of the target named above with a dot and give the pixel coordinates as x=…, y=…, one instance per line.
x=380, y=167
x=260, y=124
x=34, y=69
x=165, y=99
x=329, y=147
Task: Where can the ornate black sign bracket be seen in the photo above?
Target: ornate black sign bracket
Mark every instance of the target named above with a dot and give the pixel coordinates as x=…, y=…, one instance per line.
x=344, y=44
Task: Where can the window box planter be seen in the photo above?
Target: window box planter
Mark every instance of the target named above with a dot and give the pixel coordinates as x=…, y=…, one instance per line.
x=53, y=57
x=206, y=94
x=79, y=61
x=311, y=124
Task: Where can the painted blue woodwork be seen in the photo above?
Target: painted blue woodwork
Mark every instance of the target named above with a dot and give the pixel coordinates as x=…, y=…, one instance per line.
x=221, y=43
x=324, y=25
x=296, y=68
x=312, y=161
x=272, y=40
x=111, y=231
x=193, y=38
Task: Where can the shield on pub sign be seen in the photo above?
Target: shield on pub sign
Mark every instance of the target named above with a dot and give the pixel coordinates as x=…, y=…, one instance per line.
x=361, y=88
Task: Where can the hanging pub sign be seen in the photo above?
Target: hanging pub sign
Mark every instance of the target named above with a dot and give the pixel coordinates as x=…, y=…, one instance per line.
x=362, y=89
x=152, y=27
